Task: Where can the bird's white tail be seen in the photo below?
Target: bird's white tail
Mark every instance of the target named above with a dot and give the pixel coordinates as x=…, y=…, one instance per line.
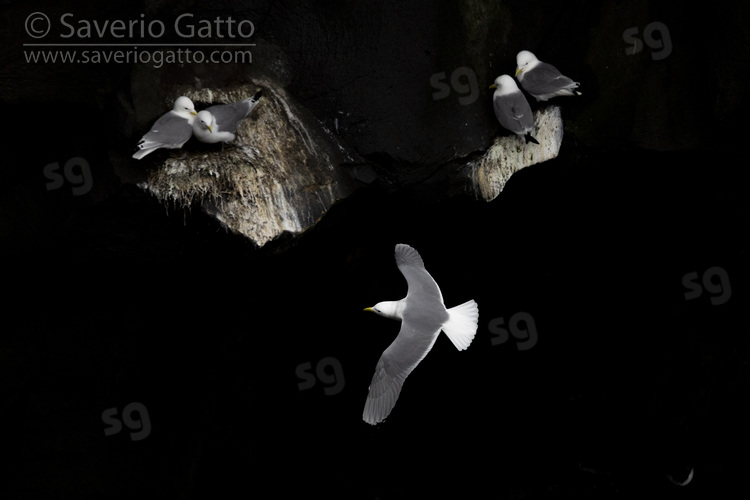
x=462, y=324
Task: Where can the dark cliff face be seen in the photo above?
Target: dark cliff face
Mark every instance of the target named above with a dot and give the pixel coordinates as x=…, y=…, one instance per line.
x=147, y=348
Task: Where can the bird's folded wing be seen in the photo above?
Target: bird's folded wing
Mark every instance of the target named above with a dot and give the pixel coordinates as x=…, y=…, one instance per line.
x=229, y=116
x=545, y=78
x=169, y=130
x=513, y=112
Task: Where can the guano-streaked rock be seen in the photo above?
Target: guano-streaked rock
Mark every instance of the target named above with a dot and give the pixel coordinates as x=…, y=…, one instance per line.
x=281, y=174
x=509, y=154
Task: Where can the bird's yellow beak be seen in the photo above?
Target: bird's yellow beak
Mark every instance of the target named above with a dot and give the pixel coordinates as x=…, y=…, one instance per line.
x=493, y=86
x=194, y=113
x=518, y=70
x=209, y=129
x=369, y=309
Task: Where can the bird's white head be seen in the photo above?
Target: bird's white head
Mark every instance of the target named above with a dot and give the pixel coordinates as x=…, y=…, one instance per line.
x=504, y=84
x=184, y=107
x=205, y=121
x=525, y=61
x=389, y=309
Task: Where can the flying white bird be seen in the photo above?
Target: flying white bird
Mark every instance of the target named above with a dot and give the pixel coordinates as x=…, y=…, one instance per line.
x=423, y=315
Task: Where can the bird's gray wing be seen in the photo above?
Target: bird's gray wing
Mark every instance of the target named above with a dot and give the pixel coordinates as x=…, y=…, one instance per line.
x=418, y=279
x=545, y=79
x=513, y=112
x=169, y=131
x=229, y=116
x=396, y=363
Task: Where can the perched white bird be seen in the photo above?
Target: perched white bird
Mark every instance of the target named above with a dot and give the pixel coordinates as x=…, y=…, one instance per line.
x=219, y=123
x=512, y=109
x=423, y=315
x=170, y=131
x=542, y=80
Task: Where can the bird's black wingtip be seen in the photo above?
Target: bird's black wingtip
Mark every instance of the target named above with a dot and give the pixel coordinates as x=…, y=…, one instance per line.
x=258, y=95
x=529, y=139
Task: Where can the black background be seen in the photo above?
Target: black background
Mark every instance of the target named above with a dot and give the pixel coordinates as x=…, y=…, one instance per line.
x=115, y=298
